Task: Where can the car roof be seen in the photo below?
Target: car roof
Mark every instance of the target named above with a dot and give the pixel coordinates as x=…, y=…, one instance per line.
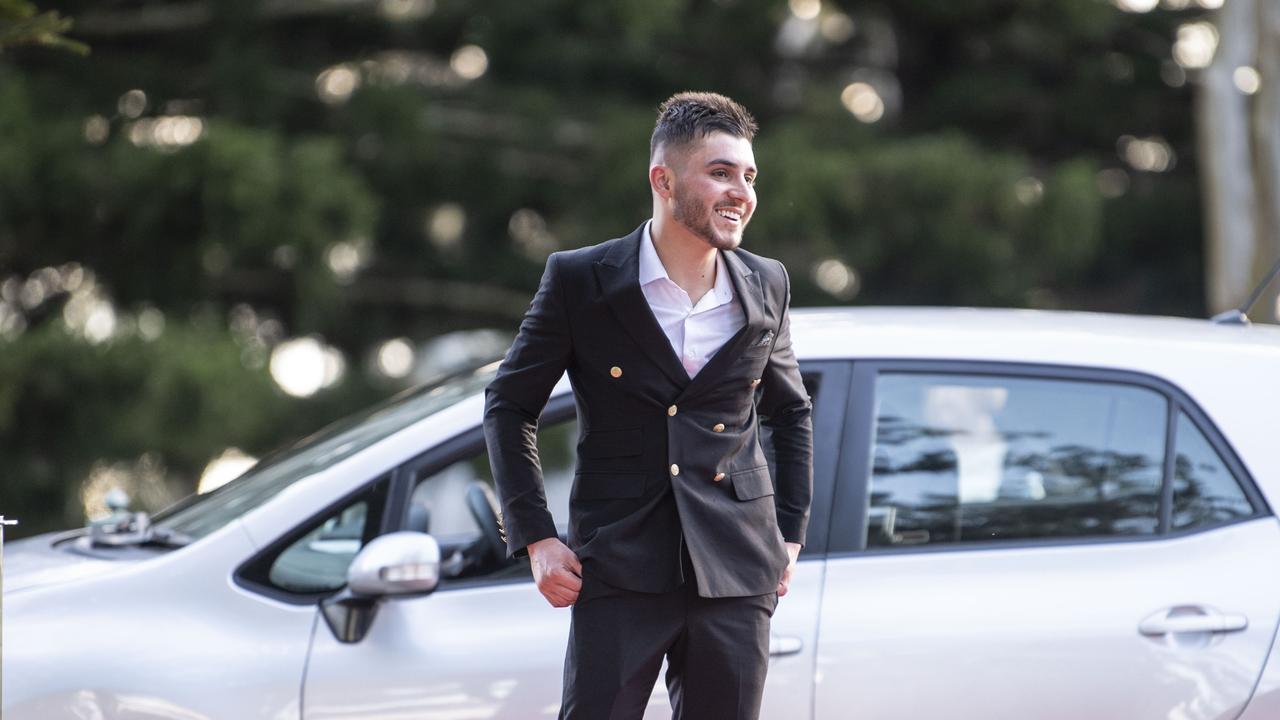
x=1019, y=335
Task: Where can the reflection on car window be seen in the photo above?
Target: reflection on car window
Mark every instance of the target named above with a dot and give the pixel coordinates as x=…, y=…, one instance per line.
x=1205, y=492
x=318, y=561
x=439, y=505
x=199, y=515
x=962, y=458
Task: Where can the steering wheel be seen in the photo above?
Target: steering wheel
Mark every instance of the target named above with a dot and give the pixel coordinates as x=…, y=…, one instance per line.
x=484, y=508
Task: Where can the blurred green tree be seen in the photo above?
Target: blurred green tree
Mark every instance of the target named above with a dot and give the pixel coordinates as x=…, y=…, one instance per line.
x=22, y=24
x=373, y=169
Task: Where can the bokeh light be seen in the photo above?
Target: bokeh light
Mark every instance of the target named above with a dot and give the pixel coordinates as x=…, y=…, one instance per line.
x=150, y=323
x=303, y=366
x=1247, y=79
x=863, y=101
x=395, y=358
x=96, y=129
x=1028, y=190
x=445, y=225
x=345, y=259
x=1149, y=154
x=132, y=104
x=805, y=9
x=469, y=62
x=836, y=27
x=1136, y=6
x=529, y=231
x=335, y=85
x=1196, y=44
x=167, y=132
x=229, y=465
x=836, y=278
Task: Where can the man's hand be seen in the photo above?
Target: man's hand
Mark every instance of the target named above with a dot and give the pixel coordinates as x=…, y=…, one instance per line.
x=793, y=552
x=556, y=571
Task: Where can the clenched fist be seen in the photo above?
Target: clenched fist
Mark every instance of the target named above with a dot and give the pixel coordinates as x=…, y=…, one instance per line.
x=556, y=571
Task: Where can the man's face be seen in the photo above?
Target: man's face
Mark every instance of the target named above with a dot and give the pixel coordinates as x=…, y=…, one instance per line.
x=713, y=192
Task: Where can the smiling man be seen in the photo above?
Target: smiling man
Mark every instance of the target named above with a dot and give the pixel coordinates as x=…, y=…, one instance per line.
x=677, y=344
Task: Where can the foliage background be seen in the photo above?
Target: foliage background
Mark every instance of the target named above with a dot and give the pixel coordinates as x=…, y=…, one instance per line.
x=356, y=171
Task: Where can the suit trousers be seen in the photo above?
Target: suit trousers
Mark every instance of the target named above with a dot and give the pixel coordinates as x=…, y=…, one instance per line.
x=717, y=652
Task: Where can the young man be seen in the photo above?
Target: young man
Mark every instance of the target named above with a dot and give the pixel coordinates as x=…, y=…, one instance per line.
x=676, y=342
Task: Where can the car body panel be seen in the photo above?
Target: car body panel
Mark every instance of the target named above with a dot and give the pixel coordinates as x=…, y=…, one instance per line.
x=169, y=638
x=1047, y=632
x=178, y=636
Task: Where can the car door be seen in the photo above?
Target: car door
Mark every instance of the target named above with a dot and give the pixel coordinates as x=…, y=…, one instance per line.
x=486, y=644
x=1040, y=542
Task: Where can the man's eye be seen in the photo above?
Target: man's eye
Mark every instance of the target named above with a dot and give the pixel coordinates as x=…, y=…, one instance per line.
x=751, y=180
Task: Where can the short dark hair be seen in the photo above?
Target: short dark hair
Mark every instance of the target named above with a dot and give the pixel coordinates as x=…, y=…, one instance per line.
x=687, y=116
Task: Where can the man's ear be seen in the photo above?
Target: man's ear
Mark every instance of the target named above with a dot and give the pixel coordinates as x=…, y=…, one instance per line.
x=660, y=179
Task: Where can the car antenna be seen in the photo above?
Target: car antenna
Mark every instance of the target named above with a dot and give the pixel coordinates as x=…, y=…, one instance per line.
x=1238, y=316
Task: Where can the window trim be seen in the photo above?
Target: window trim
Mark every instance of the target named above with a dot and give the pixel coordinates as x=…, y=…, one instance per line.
x=848, y=537
x=260, y=562
x=457, y=448
x=834, y=378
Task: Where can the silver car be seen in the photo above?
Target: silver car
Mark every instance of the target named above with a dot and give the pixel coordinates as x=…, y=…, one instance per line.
x=1016, y=515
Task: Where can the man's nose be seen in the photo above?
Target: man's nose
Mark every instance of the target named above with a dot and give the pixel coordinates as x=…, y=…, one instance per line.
x=740, y=191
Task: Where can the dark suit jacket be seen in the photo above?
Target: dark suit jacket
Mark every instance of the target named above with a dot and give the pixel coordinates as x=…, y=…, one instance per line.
x=663, y=461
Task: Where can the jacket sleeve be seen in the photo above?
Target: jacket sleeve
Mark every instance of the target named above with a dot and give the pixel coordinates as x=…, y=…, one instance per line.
x=513, y=403
x=785, y=409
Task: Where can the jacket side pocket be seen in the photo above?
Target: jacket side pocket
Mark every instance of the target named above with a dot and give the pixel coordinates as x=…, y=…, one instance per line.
x=752, y=484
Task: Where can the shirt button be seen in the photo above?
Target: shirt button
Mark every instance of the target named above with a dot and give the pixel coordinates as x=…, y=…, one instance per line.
x=675, y=469
x=615, y=371
x=671, y=411
x=755, y=382
x=718, y=477
x=718, y=427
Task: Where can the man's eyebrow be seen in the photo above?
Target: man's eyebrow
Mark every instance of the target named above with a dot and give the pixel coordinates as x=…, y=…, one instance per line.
x=730, y=163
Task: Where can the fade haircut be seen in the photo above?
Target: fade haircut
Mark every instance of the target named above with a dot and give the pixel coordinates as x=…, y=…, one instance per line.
x=690, y=116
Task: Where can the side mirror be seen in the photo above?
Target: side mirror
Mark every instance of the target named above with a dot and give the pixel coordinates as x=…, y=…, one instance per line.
x=395, y=564
x=398, y=563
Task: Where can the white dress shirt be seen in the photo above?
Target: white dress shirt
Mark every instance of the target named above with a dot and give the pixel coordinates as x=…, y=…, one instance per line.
x=696, y=331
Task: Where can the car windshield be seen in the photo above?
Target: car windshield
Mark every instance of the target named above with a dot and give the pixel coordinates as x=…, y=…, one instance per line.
x=199, y=515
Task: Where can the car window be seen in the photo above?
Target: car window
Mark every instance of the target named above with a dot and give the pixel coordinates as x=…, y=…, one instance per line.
x=1205, y=492
x=439, y=504
x=964, y=458
x=317, y=561
x=199, y=515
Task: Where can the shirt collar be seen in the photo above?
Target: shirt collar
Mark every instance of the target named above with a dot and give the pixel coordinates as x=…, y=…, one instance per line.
x=651, y=268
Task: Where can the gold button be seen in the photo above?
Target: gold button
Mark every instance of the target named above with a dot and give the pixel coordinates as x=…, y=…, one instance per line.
x=671, y=411
x=615, y=371
x=718, y=427
x=718, y=477
x=675, y=469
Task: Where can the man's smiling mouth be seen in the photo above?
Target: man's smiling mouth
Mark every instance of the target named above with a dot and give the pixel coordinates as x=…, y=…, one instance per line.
x=730, y=214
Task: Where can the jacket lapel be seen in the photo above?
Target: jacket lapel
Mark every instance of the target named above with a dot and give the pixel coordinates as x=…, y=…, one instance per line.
x=748, y=293
x=619, y=277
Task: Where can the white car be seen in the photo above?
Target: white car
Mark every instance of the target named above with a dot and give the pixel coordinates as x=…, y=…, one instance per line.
x=1016, y=515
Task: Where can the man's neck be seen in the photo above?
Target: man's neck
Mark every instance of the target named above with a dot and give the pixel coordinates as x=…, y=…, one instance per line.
x=690, y=261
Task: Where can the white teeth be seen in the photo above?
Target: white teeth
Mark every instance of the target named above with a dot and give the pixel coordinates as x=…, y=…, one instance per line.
x=733, y=215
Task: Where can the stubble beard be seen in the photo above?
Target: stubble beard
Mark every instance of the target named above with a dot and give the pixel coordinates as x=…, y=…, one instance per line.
x=697, y=219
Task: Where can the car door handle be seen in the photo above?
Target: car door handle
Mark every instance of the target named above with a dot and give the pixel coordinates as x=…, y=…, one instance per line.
x=780, y=645
x=1192, y=619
